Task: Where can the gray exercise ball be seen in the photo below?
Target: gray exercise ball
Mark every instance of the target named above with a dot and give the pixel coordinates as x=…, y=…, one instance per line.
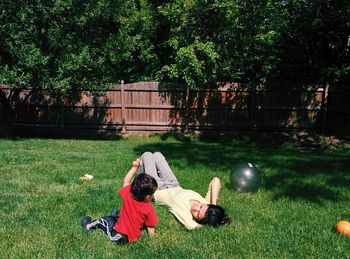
x=245, y=177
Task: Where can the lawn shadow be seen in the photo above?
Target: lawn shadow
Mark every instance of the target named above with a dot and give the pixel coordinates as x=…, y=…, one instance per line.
x=308, y=175
x=294, y=173
x=86, y=134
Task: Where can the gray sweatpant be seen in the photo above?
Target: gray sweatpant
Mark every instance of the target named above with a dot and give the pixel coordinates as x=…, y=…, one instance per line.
x=156, y=166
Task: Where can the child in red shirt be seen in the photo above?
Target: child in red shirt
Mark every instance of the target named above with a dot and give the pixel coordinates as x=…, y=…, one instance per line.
x=136, y=211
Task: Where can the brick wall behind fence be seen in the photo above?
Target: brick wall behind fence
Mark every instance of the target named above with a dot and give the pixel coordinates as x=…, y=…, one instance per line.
x=147, y=106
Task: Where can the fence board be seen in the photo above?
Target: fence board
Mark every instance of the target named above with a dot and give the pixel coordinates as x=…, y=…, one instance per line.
x=338, y=111
x=164, y=106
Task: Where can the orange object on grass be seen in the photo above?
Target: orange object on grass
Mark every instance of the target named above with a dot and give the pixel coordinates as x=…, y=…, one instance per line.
x=343, y=227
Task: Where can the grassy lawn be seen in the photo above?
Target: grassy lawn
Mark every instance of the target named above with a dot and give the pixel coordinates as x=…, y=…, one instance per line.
x=293, y=215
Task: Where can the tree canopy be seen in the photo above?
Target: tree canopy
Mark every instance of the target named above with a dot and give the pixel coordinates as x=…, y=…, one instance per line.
x=60, y=45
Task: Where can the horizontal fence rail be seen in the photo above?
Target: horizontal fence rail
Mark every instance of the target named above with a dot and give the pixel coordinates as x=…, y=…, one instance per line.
x=158, y=106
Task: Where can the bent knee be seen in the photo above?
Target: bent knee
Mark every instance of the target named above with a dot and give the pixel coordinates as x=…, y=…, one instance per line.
x=146, y=154
x=216, y=180
x=158, y=154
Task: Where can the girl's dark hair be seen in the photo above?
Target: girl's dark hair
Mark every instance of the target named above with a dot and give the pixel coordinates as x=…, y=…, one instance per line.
x=142, y=186
x=215, y=216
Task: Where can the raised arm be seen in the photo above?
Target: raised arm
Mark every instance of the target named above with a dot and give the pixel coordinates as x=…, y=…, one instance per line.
x=130, y=175
x=215, y=186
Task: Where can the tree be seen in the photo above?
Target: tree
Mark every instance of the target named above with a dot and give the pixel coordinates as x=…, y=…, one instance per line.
x=314, y=46
x=221, y=40
x=190, y=56
x=58, y=46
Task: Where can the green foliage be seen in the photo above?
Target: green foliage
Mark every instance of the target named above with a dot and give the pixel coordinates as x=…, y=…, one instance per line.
x=315, y=47
x=293, y=215
x=251, y=35
x=194, y=65
x=242, y=36
x=14, y=77
x=60, y=45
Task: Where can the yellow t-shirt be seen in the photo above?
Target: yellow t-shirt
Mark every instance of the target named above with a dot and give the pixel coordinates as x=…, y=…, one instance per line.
x=177, y=200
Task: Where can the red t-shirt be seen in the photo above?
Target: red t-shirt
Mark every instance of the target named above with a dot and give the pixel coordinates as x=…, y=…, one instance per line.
x=134, y=215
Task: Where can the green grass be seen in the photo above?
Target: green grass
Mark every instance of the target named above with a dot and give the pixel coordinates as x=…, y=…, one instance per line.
x=293, y=215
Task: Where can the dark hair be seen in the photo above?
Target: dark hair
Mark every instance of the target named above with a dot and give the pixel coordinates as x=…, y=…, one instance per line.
x=215, y=216
x=142, y=186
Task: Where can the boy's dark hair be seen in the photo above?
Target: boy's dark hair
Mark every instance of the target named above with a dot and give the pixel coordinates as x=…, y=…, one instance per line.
x=142, y=186
x=215, y=216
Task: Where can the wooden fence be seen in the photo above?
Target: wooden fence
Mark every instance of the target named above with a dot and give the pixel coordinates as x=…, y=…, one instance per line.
x=338, y=111
x=148, y=106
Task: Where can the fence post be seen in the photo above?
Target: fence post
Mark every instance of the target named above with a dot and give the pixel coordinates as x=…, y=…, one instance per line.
x=187, y=108
x=62, y=112
x=123, y=106
x=251, y=110
x=324, y=106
